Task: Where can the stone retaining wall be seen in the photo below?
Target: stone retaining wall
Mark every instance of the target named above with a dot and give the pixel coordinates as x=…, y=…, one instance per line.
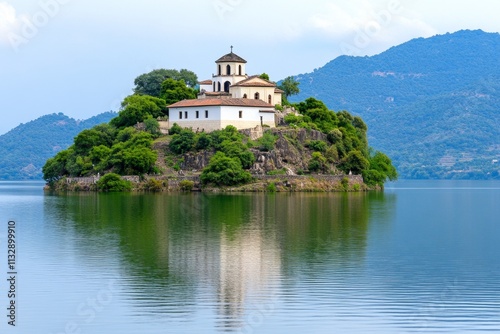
x=172, y=183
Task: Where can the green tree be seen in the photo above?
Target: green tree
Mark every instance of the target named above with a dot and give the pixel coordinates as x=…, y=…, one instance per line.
x=355, y=162
x=229, y=133
x=175, y=129
x=138, y=160
x=318, y=163
x=264, y=76
x=173, y=91
x=137, y=108
x=290, y=86
x=99, y=156
x=55, y=167
x=150, y=83
x=203, y=141
x=380, y=169
x=236, y=149
x=224, y=171
x=183, y=142
x=113, y=183
x=317, y=145
x=89, y=138
x=152, y=126
x=335, y=136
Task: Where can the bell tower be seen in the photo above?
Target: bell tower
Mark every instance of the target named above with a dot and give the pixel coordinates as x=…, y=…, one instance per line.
x=230, y=69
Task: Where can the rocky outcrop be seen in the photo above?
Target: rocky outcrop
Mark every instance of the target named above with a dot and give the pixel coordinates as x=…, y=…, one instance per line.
x=196, y=161
x=290, y=154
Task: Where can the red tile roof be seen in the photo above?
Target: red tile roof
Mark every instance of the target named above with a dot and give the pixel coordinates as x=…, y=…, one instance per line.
x=206, y=82
x=261, y=83
x=221, y=102
x=231, y=58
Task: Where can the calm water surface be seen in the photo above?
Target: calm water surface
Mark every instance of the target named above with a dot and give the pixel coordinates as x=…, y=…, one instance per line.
x=420, y=257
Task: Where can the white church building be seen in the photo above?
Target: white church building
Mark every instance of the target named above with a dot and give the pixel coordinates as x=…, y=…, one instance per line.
x=231, y=97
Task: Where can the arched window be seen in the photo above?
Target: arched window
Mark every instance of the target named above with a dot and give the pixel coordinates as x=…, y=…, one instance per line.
x=228, y=69
x=270, y=99
x=245, y=96
x=220, y=70
x=218, y=87
x=214, y=87
x=226, y=86
x=239, y=70
x=257, y=96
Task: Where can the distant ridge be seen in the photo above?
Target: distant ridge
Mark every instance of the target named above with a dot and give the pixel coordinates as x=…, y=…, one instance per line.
x=432, y=104
x=26, y=148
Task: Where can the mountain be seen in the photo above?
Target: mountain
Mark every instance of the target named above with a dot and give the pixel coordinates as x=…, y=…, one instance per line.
x=433, y=104
x=26, y=148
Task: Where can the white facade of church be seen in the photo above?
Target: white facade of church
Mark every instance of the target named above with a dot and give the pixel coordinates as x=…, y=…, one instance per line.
x=231, y=97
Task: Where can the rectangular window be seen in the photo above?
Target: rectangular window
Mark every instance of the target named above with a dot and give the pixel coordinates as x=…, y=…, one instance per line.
x=241, y=114
x=197, y=114
x=180, y=114
x=186, y=115
x=206, y=113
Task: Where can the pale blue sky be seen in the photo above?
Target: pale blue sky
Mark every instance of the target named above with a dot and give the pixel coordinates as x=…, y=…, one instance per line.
x=81, y=57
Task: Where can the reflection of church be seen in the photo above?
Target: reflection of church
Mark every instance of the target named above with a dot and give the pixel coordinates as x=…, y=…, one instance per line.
x=231, y=97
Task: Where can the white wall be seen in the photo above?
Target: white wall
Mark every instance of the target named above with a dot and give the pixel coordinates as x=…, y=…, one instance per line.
x=239, y=92
x=208, y=124
x=250, y=117
x=219, y=117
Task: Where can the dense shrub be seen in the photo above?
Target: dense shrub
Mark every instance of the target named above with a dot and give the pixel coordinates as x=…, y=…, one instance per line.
x=186, y=185
x=183, y=142
x=267, y=141
x=317, y=145
x=113, y=183
x=224, y=171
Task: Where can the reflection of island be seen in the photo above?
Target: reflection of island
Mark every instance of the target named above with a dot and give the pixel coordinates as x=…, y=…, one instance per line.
x=227, y=252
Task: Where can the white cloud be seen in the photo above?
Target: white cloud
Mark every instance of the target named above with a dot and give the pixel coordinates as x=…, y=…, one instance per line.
x=366, y=28
x=9, y=21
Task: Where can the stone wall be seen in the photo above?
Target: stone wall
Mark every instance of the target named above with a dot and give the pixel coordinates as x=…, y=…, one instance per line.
x=253, y=133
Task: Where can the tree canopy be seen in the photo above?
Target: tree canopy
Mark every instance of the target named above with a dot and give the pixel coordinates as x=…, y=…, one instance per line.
x=137, y=108
x=173, y=91
x=151, y=83
x=290, y=86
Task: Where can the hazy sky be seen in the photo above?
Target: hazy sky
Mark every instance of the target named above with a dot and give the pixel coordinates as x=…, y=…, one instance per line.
x=81, y=57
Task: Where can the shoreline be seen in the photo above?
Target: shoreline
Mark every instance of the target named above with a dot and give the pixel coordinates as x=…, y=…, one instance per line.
x=260, y=183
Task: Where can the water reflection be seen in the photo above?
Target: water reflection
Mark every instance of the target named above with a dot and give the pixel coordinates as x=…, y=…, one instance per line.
x=184, y=254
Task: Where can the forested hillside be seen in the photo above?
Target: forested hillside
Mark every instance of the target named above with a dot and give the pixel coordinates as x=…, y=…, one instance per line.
x=25, y=149
x=433, y=105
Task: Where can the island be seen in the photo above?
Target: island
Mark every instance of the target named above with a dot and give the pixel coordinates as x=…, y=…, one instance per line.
x=233, y=132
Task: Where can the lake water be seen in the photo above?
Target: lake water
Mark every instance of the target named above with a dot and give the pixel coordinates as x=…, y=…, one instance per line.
x=420, y=257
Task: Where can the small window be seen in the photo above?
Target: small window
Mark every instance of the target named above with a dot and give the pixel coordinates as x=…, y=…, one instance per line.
x=180, y=114
x=186, y=115
x=197, y=114
x=239, y=71
x=270, y=99
x=220, y=70
x=257, y=96
x=206, y=113
x=245, y=96
x=241, y=113
x=228, y=69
